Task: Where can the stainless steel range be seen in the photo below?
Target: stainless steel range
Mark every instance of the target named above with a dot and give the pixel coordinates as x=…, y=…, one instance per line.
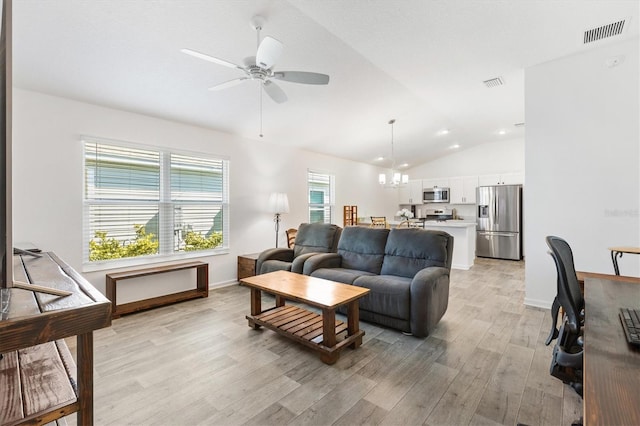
x=440, y=214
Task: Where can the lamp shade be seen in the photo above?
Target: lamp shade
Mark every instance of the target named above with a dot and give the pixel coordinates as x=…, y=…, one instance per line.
x=278, y=202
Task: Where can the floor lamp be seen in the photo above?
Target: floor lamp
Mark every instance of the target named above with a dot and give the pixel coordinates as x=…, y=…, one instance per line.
x=278, y=204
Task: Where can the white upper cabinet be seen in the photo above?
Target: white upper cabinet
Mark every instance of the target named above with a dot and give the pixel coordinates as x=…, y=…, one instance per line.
x=463, y=189
x=411, y=193
x=437, y=182
x=501, y=179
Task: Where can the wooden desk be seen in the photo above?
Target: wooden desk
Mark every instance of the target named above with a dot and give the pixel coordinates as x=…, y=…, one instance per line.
x=611, y=366
x=617, y=252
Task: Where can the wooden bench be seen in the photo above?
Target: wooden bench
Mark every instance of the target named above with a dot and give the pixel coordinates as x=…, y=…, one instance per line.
x=201, y=290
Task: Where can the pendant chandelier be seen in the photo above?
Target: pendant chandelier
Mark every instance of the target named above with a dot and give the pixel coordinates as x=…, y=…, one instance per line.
x=394, y=178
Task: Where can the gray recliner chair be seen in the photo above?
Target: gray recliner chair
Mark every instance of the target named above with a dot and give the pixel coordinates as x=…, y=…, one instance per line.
x=311, y=238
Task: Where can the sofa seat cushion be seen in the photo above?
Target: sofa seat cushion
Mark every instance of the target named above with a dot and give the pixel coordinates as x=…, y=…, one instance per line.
x=340, y=275
x=389, y=294
x=274, y=265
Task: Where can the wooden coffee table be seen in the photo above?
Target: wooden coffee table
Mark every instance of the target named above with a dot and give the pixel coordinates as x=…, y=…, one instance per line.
x=318, y=332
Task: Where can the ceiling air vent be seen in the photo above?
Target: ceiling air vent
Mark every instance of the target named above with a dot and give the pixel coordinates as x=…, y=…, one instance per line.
x=603, y=32
x=494, y=82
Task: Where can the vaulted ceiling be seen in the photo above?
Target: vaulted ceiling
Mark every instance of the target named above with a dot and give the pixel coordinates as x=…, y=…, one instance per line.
x=420, y=62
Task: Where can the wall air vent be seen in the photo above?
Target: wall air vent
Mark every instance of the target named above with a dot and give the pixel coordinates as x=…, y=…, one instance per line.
x=519, y=125
x=605, y=31
x=494, y=82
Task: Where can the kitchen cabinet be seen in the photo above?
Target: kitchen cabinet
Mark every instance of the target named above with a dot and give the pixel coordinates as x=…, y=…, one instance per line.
x=463, y=189
x=437, y=182
x=501, y=179
x=411, y=193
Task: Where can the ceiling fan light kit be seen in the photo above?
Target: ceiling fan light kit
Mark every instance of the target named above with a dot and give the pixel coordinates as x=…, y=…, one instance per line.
x=260, y=68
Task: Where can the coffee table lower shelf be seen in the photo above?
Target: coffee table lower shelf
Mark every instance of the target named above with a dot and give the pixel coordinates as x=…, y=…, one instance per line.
x=305, y=327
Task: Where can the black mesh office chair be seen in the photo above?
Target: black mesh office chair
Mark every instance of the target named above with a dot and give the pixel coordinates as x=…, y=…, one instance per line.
x=566, y=363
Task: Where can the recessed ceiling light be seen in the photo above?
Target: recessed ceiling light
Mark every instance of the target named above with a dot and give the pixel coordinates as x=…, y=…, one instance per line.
x=379, y=159
x=443, y=132
x=454, y=146
x=404, y=165
x=502, y=132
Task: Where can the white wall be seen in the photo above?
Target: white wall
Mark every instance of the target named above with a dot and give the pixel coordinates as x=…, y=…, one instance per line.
x=489, y=158
x=582, y=163
x=47, y=177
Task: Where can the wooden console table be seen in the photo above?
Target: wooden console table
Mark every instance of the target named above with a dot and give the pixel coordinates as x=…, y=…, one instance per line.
x=201, y=290
x=39, y=382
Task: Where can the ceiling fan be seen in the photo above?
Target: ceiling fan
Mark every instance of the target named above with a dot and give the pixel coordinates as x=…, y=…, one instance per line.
x=260, y=67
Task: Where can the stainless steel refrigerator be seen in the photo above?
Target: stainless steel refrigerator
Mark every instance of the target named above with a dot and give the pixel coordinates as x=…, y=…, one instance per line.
x=499, y=218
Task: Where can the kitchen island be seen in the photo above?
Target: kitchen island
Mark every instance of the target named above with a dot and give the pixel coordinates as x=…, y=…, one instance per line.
x=464, y=240
x=464, y=237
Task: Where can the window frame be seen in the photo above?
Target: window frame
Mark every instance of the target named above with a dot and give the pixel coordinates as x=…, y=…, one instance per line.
x=165, y=205
x=328, y=206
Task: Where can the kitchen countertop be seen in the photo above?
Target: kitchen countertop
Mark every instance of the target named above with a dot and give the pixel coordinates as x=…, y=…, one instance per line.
x=449, y=223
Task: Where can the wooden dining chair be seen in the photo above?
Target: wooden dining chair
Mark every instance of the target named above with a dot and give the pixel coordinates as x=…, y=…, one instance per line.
x=378, y=222
x=291, y=237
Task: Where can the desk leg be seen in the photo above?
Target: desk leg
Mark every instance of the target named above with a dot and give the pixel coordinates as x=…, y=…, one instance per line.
x=353, y=323
x=256, y=306
x=614, y=257
x=85, y=379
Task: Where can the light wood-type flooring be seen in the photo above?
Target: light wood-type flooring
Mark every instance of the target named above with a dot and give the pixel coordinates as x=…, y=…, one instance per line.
x=198, y=362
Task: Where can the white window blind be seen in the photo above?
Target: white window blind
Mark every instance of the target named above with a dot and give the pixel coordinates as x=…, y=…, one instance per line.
x=147, y=202
x=321, y=188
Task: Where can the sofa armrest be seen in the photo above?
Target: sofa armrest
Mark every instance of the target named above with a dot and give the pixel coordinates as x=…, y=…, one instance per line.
x=283, y=254
x=322, y=260
x=298, y=262
x=429, y=299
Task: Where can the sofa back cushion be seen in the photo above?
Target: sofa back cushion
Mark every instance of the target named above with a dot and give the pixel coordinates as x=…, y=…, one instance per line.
x=363, y=248
x=410, y=250
x=316, y=238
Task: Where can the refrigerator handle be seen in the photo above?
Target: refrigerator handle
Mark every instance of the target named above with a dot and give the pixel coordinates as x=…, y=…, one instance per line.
x=497, y=207
x=495, y=210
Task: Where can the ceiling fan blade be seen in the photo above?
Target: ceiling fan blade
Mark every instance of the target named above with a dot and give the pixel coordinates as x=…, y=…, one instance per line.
x=269, y=51
x=274, y=91
x=302, y=77
x=229, y=83
x=211, y=58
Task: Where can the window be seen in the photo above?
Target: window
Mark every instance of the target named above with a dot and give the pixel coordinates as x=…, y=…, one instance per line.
x=141, y=201
x=321, y=199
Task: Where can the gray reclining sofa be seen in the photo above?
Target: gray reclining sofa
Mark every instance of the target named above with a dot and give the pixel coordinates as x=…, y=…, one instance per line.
x=407, y=271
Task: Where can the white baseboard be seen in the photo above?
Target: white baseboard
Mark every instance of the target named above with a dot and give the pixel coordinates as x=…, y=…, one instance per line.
x=213, y=286
x=537, y=303
x=463, y=267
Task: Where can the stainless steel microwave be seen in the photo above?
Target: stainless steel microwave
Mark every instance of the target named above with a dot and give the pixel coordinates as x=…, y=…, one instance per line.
x=435, y=195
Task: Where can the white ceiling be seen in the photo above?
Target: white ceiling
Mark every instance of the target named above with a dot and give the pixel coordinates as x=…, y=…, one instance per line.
x=420, y=62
